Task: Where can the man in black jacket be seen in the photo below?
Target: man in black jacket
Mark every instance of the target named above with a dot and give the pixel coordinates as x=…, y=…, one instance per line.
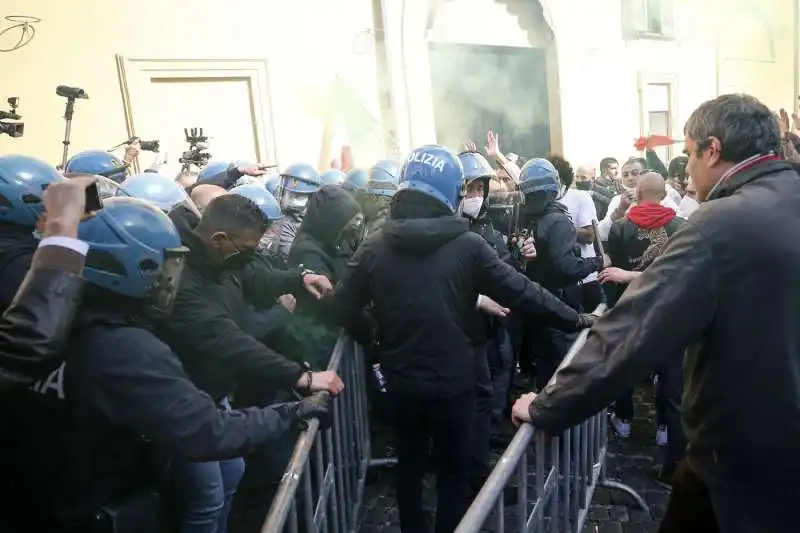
x=725, y=289
x=35, y=326
x=424, y=272
x=634, y=242
x=605, y=187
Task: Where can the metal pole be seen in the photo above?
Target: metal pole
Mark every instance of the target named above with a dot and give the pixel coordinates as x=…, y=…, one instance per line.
x=796, y=69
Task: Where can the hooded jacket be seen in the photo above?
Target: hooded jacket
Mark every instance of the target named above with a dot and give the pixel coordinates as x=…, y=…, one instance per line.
x=205, y=329
x=424, y=276
x=314, y=326
x=724, y=290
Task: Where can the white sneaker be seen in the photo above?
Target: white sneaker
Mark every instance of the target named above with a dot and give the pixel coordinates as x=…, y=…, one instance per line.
x=621, y=427
x=661, y=436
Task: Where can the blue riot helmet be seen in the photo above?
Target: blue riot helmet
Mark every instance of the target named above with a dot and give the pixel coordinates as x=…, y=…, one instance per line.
x=477, y=170
x=540, y=184
x=135, y=251
x=272, y=185
x=356, y=181
x=162, y=191
x=259, y=195
x=212, y=169
x=383, y=178
x=98, y=162
x=333, y=176
x=298, y=181
x=23, y=181
x=435, y=171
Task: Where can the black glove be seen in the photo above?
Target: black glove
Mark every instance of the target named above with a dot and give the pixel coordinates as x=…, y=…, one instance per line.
x=585, y=320
x=315, y=406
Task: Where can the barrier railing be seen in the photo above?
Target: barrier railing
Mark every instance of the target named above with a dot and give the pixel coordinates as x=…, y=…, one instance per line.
x=567, y=471
x=331, y=465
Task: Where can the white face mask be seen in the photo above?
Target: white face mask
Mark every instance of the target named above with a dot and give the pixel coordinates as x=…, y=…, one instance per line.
x=472, y=206
x=687, y=207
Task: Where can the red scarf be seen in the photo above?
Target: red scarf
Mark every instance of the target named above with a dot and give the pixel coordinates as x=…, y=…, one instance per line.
x=650, y=215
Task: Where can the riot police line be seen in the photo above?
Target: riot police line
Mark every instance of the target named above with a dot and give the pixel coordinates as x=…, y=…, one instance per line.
x=136, y=257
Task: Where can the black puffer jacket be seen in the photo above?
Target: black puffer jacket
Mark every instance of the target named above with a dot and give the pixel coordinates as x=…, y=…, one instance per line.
x=424, y=276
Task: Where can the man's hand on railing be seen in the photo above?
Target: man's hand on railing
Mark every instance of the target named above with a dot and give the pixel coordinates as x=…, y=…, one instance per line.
x=327, y=381
x=520, y=412
x=315, y=406
x=586, y=320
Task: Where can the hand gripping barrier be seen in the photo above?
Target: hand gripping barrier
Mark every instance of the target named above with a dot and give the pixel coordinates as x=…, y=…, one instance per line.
x=331, y=465
x=567, y=471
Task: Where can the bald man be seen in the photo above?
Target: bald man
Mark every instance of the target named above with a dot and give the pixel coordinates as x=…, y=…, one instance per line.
x=634, y=242
x=584, y=177
x=204, y=193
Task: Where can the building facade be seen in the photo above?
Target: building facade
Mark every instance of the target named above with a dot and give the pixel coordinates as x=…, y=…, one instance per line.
x=278, y=81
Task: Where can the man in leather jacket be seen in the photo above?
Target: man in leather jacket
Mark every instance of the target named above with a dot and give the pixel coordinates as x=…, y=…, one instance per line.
x=725, y=290
x=34, y=328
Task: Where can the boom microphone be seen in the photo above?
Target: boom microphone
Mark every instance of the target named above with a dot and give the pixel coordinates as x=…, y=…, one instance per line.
x=71, y=92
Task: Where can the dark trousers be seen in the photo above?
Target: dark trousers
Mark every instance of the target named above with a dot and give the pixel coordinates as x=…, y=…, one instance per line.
x=500, y=354
x=669, y=392
x=591, y=296
x=696, y=507
x=484, y=394
x=450, y=423
x=550, y=346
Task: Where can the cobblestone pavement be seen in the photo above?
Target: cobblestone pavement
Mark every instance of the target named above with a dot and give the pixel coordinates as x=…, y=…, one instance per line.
x=629, y=461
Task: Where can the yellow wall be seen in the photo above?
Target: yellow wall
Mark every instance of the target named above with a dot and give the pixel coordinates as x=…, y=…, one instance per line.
x=306, y=43
x=594, y=81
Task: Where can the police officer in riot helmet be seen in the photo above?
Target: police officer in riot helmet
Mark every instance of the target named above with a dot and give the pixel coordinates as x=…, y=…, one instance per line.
x=297, y=183
x=355, y=182
x=91, y=430
x=382, y=184
x=430, y=270
x=162, y=191
x=332, y=176
x=558, y=265
x=98, y=163
x=23, y=181
x=227, y=174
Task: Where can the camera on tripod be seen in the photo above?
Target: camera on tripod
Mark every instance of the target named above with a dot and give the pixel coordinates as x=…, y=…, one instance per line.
x=198, y=144
x=12, y=129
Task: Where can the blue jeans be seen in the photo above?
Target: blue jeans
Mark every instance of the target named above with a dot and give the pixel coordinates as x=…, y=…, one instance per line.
x=205, y=492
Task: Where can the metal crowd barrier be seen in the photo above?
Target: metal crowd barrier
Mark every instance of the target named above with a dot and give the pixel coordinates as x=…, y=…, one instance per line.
x=567, y=471
x=331, y=465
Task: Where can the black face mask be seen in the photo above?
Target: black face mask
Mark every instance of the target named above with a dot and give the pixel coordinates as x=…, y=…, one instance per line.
x=238, y=260
x=583, y=185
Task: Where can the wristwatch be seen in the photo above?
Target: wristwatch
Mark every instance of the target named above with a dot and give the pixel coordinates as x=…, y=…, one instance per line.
x=304, y=271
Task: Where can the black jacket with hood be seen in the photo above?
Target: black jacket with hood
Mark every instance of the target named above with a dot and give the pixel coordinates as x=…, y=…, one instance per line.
x=424, y=276
x=204, y=330
x=724, y=290
x=558, y=266
x=314, y=327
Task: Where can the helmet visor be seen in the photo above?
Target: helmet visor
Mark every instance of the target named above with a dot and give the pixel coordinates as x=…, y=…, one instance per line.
x=164, y=291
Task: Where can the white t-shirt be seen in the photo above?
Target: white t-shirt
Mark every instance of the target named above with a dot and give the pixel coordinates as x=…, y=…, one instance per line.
x=582, y=211
x=604, y=228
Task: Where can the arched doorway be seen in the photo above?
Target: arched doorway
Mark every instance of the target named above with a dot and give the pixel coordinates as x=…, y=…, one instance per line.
x=493, y=66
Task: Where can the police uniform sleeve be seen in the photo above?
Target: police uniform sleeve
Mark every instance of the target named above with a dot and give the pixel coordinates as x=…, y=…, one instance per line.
x=146, y=388
x=561, y=243
x=286, y=235
x=223, y=179
x=662, y=312
x=35, y=327
x=505, y=285
x=209, y=332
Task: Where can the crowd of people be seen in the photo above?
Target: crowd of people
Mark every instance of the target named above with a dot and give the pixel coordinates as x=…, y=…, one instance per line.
x=160, y=352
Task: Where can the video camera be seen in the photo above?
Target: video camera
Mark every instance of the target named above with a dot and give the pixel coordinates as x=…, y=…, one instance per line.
x=198, y=144
x=12, y=129
x=146, y=146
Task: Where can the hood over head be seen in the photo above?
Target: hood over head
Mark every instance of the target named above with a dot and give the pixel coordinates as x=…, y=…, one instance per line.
x=423, y=236
x=330, y=210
